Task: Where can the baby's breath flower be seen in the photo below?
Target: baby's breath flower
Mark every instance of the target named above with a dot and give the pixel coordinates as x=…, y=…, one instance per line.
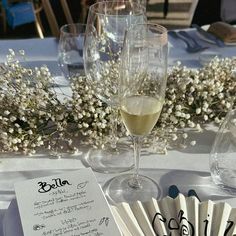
x=198, y=111
x=31, y=116
x=174, y=137
x=193, y=143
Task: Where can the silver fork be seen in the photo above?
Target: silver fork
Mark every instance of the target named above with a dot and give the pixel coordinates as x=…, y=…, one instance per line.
x=186, y=35
x=192, y=45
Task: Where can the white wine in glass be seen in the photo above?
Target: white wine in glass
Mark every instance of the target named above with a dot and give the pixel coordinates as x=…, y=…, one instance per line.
x=142, y=94
x=140, y=113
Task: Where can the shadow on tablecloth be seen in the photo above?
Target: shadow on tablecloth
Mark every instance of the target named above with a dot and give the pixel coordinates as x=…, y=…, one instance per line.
x=185, y=180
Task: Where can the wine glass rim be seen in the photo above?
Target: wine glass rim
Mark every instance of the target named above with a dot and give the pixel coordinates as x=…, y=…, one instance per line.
x=94, y=10
x=163, y=29
x=80, y=25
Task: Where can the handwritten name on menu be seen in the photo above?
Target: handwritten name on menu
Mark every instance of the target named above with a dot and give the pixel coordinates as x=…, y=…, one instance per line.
x=70, y=204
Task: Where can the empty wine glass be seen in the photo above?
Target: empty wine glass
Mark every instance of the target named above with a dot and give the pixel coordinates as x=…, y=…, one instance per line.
x=142, y=91
x=70, y=49
x=222, y=157
x=106, y=25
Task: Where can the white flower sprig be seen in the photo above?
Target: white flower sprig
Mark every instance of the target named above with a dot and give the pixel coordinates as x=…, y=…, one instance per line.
x=195, y=98
x=32, y=116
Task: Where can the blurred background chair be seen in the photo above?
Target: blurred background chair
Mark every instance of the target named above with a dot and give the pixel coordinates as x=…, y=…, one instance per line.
x=171, y=13
x=3, y=17
x=51, y=18
x=228, y=11
x=19, y=13
x=207, y=12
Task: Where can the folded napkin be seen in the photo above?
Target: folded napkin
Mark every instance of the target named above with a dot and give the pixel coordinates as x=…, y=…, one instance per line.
x=224, y=31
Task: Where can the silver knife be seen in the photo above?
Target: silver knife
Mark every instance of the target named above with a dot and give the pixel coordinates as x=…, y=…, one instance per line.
x=208, y=35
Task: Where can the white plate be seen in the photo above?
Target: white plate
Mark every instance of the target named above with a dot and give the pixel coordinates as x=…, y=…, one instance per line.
x=205, y=27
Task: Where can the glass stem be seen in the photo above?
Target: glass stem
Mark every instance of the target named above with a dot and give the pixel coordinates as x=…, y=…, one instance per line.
x=135, y=182
x=113, y=132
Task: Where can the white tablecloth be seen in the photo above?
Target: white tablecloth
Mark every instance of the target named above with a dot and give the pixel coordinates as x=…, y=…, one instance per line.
x=186, y=168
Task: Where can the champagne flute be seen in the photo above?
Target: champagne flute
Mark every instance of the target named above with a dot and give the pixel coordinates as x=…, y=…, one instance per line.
x=142, y=91
x=106, y=25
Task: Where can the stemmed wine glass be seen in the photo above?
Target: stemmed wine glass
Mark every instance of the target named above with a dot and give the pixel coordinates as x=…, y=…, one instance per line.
x=106, y=25
x=222, y=156
x=142, y=91
x=70, y=49
x=70, y=62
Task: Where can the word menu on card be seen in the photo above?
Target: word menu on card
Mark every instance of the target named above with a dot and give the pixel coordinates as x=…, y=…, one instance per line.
x=70, y=204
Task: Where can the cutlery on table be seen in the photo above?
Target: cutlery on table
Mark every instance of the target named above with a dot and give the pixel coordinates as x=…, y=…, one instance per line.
x=209, y=36
x=191, y=46
x=194, y=41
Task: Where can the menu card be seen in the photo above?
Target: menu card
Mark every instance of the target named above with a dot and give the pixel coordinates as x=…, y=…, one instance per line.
x=70, y=204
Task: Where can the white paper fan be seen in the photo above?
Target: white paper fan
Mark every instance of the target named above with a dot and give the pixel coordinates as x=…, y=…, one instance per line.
x=179, y=216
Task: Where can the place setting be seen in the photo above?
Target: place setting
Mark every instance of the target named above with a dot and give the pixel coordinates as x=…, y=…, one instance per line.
x=206, y=42
x=219, y=33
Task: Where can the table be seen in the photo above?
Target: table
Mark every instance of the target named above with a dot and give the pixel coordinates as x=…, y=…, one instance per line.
x=186, y=168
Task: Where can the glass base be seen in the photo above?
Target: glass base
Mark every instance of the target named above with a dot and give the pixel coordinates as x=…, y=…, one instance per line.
x=122, y=189
x=110, y=160
x=225, y=179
